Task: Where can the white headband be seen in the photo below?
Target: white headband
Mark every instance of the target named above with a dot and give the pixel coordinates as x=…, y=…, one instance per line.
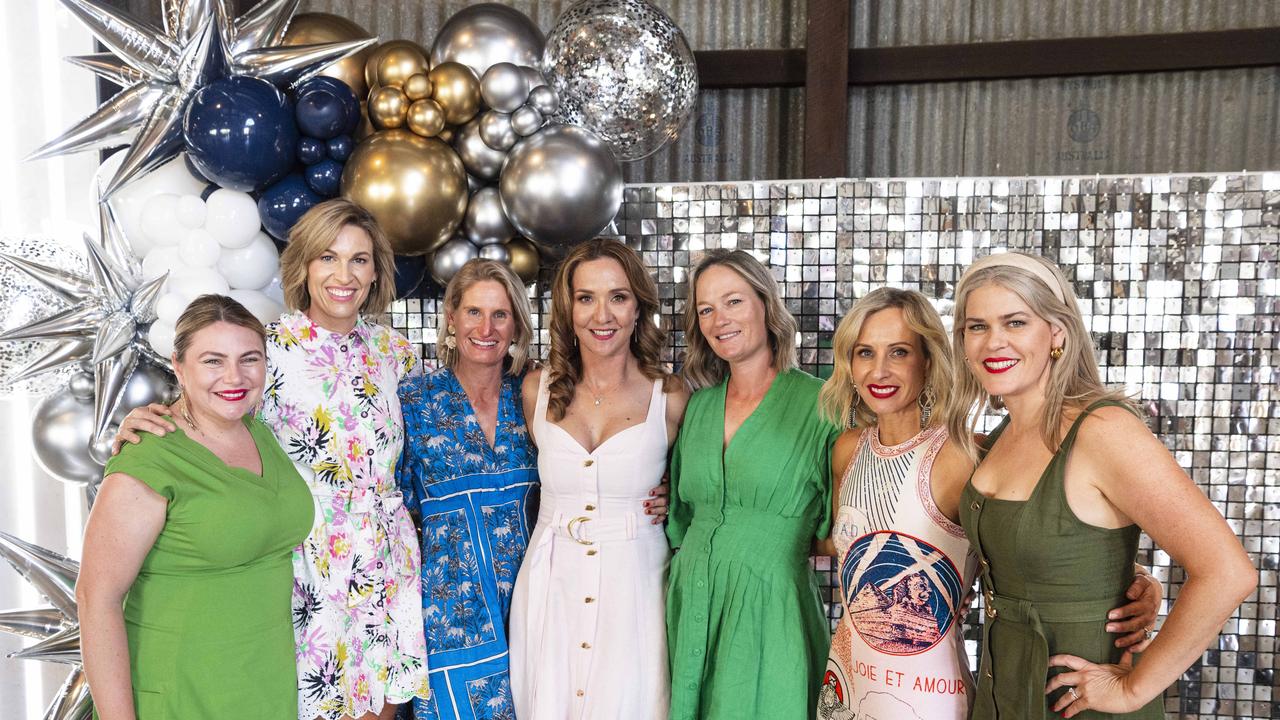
x=1022, y=262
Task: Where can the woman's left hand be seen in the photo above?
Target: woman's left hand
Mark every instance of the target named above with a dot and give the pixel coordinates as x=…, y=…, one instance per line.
x=1090, y=686
x=656, y=505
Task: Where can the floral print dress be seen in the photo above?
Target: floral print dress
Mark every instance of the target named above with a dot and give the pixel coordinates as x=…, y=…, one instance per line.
x=331, y=401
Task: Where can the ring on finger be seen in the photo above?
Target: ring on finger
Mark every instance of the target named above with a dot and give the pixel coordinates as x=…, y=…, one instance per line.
x=1149, y=632
x=1074, y=695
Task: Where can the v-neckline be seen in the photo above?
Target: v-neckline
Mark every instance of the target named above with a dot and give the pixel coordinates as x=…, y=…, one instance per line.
x=724, y=399
x=492, y=449
x=260, y=476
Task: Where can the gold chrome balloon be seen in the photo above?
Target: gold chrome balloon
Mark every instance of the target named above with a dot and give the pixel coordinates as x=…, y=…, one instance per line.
x=387, y=108
x=318, y=27
x=457, y=90
x=524, y=259
x=365, y=128
x=445, y=135
x=426, y=118
x=416, y=187
x=417, y=87
x=413, y=55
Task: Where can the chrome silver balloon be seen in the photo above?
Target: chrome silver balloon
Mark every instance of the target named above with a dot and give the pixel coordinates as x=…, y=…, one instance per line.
x=561, y=185
x=450, y=257
x=635, y=83
x=485, y=223
x=544, y=100
x=534, y=77
x=504, y=87
x=526, y=121
x=486, y=34
x=496, y=131
x=480, y=160
x=81, y=386
x=61, y=430
x=498, y=252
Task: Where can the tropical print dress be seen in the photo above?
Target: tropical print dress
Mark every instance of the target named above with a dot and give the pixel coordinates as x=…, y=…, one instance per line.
x=357, y=619
x=475, y=502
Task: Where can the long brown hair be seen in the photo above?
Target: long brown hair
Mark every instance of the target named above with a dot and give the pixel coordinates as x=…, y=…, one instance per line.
x=314, y=232
x=564, y=360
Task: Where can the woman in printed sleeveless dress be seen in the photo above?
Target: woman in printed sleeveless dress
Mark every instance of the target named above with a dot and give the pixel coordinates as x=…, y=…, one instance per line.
x=905, y=567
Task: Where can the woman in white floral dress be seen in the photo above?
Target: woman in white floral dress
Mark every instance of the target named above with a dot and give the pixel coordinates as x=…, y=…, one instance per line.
x=331, y=402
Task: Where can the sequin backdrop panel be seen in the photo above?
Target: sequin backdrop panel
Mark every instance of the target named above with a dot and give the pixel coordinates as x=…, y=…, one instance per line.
x=1177, y=279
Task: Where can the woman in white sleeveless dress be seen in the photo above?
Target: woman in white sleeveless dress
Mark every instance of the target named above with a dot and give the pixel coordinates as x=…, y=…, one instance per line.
x=588, y=632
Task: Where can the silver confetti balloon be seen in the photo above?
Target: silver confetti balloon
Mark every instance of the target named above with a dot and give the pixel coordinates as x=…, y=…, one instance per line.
x=496, y=130
x=504, y=87
x=498, y=252
x=634, y=82
x=485, y=223
x=544, y=100
x=61, y=430
x=526, y=121
x=450, y=257
x=561, y=185
x=485, y=34
x=480, y=160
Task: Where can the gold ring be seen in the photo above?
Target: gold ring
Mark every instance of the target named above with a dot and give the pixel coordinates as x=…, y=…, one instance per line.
x=571, y=528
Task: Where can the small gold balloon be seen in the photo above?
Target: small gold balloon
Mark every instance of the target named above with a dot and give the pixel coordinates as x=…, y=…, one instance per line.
x=416, y=187
x=417, y=87
x=387, y=107
x=457, y=90
x=413, y=55
x=445, y=135
x=318, y=27
x=426, y=118
x=524, y=259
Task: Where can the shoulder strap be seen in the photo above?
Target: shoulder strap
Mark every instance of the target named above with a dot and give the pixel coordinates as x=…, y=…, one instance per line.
x=990, y=442
x=540, y=409
x=1070, y=439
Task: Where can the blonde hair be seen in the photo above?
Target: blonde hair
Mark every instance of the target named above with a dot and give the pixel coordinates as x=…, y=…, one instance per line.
x=564, y=360
x=207, y=310
x=835, y=401
x=1074, y=381
x=315, y=232
x=702, y=367
x=476, y=271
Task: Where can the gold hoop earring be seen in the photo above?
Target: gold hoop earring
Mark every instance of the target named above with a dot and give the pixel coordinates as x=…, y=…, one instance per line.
x=185, y=411
x=1056, y=353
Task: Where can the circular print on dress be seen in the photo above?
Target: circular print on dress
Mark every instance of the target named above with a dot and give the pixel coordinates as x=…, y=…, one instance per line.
x=900, y=592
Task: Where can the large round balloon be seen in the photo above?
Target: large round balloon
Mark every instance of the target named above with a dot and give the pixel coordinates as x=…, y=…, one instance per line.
x=450, y=257
x=284, y=203
x=326, y=108
x=61, y=430
x=485, y=34
x=310, y=28
x=635, y=83
x=240, y=133
x=561, y=186
x=416, y=187
x=457, y=90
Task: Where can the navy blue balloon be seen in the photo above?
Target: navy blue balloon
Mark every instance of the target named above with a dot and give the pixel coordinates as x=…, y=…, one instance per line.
x=340, y=148
x=283, y=203
x=239, y=133
x=325, y=107
x=310, y=150
x=324, y=177
x=410, y=271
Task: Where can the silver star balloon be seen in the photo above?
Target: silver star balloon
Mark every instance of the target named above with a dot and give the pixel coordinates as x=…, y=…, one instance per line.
x=162, y=69
x=111, y=307
x=56, y=628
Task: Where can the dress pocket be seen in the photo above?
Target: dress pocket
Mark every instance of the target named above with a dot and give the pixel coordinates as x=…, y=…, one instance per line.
x=149, y=705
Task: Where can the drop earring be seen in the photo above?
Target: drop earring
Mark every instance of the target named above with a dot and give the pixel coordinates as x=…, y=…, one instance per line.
x=450, y=341
x=926, y=401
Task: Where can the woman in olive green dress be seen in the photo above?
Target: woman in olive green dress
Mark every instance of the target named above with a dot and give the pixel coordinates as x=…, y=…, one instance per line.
x=746, y=632
x=1068, y=482
x=184, y=590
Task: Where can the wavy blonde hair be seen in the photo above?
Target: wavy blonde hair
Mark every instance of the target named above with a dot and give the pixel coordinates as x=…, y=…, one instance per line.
x=1074, y=382
x=702, y=367
x=480, y=270
x=835, y=401
x=314, y=233
x=564, y=360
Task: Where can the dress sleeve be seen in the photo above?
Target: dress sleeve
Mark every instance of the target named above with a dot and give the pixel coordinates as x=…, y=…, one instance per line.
x=406, y=357
x=411, y=408
x=679, y=513
x=135, y=461
x=827, y=433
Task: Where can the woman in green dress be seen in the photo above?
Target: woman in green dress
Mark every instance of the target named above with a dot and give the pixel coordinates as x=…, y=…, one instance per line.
x=184, y=590
x=746, y=633
x=1068, y=482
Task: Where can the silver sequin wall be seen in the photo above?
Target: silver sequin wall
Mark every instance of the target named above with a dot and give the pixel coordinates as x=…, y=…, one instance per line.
x=1178, y=280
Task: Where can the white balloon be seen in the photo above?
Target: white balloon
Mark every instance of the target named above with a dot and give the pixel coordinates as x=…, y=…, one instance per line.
x=127, y=202
x=232, y=218
x=262, y=307
x=160, y=336
x=252, y=266
x=191, y=211
x=160, y=222
x=190, y=283
x=199, y=249
x=162, y=260
x=169, y=307
x=274, y=289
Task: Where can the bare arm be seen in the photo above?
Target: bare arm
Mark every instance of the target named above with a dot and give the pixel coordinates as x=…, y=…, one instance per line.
x=148, y=419
x=841, y=456
x=126, y=519
x=1141, y=481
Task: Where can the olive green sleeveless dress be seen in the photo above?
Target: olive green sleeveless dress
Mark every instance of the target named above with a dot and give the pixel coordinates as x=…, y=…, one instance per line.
x=1048, y=580
x=208, y=618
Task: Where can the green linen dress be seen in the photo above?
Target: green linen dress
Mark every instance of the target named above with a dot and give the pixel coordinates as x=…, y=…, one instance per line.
x=208, y=617
x=1048, y=580
x=746, y=632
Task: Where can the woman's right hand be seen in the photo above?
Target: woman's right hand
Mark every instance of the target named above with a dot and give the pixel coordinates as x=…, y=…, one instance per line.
x=144, y=419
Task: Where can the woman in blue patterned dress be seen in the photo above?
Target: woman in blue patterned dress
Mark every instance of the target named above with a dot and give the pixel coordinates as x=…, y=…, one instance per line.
x=469, y=473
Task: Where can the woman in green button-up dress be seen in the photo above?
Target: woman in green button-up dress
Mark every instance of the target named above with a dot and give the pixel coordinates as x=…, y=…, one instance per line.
x=746, y=631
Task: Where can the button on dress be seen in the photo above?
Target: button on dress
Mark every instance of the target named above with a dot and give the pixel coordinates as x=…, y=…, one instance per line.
x=746, y=631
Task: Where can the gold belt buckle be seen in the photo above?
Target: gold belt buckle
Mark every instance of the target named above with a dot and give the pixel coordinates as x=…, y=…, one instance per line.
x=573, y=532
